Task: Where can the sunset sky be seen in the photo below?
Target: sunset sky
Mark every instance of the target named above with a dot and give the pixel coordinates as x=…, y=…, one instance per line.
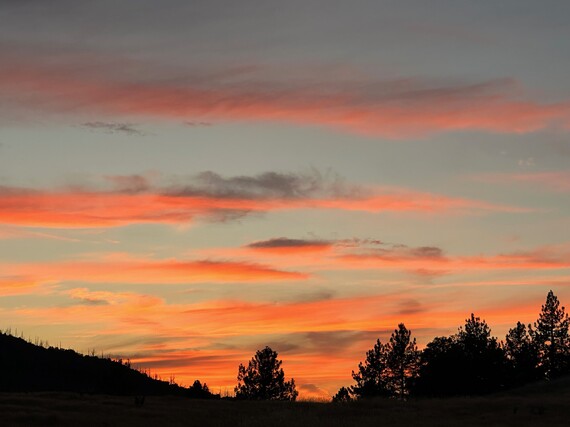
x=185, y=182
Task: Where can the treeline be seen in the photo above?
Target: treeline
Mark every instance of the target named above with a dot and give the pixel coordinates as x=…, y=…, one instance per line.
x=25, y=367
x=470, y=362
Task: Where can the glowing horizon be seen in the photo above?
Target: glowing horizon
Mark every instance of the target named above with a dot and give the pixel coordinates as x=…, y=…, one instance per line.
x=183, y=185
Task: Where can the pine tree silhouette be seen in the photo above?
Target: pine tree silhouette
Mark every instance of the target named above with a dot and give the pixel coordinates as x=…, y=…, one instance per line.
x=550, y=335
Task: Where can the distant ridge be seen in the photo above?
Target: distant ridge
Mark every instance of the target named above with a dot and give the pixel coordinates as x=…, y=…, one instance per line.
x=25, y=367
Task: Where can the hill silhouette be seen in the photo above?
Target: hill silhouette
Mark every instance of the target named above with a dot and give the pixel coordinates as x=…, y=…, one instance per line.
x=25, y=367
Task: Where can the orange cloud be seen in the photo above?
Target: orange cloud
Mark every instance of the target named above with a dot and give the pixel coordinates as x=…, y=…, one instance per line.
x=18, y=286
x=153, y=271
x=369, y=254
x=532, y=260
x=85, y=208
x=398, y=108
x=320, y=341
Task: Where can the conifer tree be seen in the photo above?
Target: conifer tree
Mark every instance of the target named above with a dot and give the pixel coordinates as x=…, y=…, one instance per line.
x=264, y=379
x=402, y=362
x=389, y=368
x=522, y=353
x=550, y=335
x=370, y=381
x=342, y=396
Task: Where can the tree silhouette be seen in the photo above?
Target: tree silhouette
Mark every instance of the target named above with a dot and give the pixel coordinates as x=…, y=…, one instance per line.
x=199, y=391
x=389, y=368
x=470, y=362
x=263, y=379
x=522, y=354
x=370, y=380
x=402, y=361
x=550, y=335
x=484, y=360
x=342, y=396
x=441, y=363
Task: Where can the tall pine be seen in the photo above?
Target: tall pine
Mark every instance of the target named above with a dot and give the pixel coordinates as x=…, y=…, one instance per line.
x=550, y=335
x=402, y=362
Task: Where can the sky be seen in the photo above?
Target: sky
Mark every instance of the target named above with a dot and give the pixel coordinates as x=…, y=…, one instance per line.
x=185, y=182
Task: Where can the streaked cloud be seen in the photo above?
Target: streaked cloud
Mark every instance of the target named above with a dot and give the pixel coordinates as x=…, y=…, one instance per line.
x=112, y=128
x=84, y=84
x=133, y=199
x=22, y=285
x=432, y=261
x=373, y=254
x=132, y=270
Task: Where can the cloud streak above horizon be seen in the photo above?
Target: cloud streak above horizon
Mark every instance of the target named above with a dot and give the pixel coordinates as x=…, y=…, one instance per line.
x=77, y=84
x=133, y=199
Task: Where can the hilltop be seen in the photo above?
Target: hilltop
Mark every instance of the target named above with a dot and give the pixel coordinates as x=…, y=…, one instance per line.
x=26, y=367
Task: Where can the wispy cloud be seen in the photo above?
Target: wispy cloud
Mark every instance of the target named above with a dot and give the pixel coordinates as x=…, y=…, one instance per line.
x=111, y=128
x=169, y=271
x=268, y=185
x=133, y=199
x=373, y=254
x=18, y=285
x=198, y=124
x=80, y=84
x=321, y=339
x=433, y=261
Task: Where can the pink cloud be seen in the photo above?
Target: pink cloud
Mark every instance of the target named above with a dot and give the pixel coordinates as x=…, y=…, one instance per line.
x=152, y=271
x=85, y=84
x=91, y=208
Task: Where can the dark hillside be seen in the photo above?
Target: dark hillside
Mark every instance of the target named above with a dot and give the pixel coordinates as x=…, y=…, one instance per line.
x=26, y=367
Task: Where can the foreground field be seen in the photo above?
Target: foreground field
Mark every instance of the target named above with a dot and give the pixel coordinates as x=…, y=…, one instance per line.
x=542, y=405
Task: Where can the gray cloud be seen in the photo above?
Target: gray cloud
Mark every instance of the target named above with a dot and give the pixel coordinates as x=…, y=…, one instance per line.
x=90, y=301
x=357, y=242
x=372, y=246
x=426, y=252
x=112, y=128
x=401, y=251
x=268, y=185
x=198, y=124
x=284, y=242
x=410, y=306
x=129, y=183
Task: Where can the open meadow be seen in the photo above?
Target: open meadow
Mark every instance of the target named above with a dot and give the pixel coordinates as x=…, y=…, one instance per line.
x=537, y=405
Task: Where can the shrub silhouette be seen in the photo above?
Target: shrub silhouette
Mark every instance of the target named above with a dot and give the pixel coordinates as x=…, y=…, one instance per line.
x=342, y=396
x=199, y=391
x=264, y=379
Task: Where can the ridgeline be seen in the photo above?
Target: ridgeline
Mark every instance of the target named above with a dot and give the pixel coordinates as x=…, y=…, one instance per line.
x=26, y=367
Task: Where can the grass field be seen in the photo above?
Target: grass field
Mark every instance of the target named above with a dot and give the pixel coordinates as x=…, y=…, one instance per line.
x=537, y=405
